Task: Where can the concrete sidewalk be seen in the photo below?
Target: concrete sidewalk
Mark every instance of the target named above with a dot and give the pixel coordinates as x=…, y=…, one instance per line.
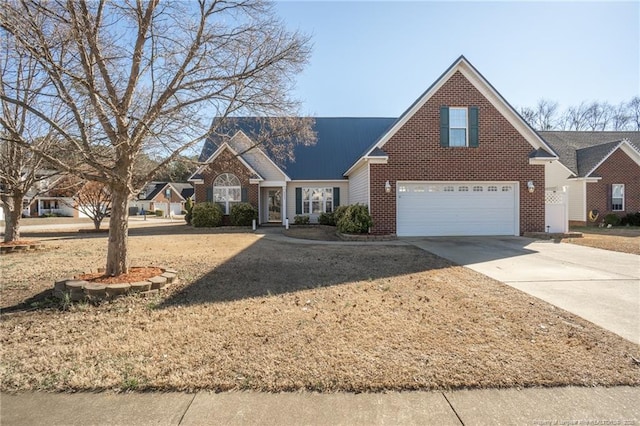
x=533, y=406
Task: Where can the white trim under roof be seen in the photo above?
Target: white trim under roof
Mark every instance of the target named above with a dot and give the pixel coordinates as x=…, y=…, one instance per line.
x=258, y=149
x=215, y=155
x=485, y=88
x=626, y=147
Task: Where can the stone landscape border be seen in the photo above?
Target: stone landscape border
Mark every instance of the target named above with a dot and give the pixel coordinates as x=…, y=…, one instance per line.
x=20, y=248
x=78, y=290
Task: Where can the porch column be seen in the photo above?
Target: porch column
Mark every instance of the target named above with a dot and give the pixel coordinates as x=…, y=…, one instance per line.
x=284, y=203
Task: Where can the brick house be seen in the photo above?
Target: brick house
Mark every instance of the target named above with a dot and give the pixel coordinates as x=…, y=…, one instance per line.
x=169, y=197
x=459, y=161
x=601, y=171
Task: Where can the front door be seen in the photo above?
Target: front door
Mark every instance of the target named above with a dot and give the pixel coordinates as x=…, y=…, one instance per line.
x=275, y=205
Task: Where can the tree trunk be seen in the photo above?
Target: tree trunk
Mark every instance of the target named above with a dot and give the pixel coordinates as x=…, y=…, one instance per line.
x=96, y=223
x=117, y=251
x=12, y=206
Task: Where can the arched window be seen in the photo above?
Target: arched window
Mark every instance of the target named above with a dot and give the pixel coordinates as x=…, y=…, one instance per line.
x=227, y=191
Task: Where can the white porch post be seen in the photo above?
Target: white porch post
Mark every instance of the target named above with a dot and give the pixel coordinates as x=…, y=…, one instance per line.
x=260, y=212
x=284, y=204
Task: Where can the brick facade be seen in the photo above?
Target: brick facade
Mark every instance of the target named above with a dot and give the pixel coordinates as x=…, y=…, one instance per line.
x=415, y=154
x=226, y=162
x=619, y=168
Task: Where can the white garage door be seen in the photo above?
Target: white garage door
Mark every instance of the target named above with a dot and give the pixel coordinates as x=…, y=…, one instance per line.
x=457, y=208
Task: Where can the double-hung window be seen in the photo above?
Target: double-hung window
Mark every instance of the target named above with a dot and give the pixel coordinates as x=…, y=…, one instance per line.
x=317, y=200
x=459, y=126
x=617, y=197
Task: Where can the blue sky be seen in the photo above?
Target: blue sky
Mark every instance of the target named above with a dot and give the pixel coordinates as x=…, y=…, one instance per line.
x=375, y=58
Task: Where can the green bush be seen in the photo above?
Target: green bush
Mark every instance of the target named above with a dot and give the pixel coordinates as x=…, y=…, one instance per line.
x=188, y=207
x=355, y=220
x=327, y=219
x=631, y=219
x=301, y=220
x=612, y=219
x=206, y=215
x=338, y=213
x=243, y=214
x=159, y=213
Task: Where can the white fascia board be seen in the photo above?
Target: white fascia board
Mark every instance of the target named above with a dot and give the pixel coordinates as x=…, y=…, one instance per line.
x=358, y=163
x=485, y=88
x=196, y=181
x=543, y=161
x=378, y=159
x=257, y=147
x=254, y=181
x=367, y=159
x=219, y=151
x=626, y=147
x=587, y=179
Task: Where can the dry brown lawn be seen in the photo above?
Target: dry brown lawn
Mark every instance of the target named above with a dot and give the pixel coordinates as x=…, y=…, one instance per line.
x=621, y=239
x=253, y=313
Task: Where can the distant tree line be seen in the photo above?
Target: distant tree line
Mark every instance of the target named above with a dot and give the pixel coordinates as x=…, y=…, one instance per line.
x=594, y=116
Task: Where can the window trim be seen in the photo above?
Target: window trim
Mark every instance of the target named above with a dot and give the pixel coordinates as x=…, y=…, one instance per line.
x=325, y=197
x=466, y=126
x=621, y=204
x=227, y=202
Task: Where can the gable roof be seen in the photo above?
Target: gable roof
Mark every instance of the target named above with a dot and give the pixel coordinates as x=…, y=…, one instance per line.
x=185, y=190
x=488, y=91
x=197, y=175
x=582, y=151
x=340, y=141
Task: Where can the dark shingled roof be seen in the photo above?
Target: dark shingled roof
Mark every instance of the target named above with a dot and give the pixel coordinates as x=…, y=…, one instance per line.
x=185, y=189
x=340, y=142
x=580, y=152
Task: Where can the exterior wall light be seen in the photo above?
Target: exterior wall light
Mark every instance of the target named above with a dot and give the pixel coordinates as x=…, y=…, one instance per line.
x=530, y=186
x=387, y=187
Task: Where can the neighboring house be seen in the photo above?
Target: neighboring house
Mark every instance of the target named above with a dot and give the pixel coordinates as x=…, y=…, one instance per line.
x=601, y=171
x=53, y=196
x=165, y=196
x=459, y=161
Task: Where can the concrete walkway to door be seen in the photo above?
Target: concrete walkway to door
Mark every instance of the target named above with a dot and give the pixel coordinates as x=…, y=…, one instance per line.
x=601, y=286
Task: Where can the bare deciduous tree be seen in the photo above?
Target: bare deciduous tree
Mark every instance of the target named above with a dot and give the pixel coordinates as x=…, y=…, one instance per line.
x=94, y=200
x=634, y=112
x=594, y=116
x=21, y=171
x=145, y=78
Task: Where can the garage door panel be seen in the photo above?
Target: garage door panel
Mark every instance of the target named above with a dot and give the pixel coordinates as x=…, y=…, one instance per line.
x=460, y=208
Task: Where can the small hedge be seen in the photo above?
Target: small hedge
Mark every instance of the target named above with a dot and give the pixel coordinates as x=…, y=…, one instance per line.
x=327, y=219
x=631, y=219
x=159, y=213
x=612, y=219
x=188, y=207
x=338, y=213
x=355, y=220
x=301, y=220
x=206, y=215
x=243, y=214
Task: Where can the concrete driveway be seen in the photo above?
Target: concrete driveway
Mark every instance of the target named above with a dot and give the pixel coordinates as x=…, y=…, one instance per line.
x=599, y=285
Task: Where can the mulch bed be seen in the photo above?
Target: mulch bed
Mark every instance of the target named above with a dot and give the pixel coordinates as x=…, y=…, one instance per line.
x=135, y=274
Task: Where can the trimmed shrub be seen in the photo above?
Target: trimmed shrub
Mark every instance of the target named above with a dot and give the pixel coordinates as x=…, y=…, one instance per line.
x=159, y=213
x=355, y=220
x=327, y=219
x=188, y=206
x=206, y=215
x=338, y=213
x=631, y=219
x=612, y=219
x=243, y=214
x=301, y=220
